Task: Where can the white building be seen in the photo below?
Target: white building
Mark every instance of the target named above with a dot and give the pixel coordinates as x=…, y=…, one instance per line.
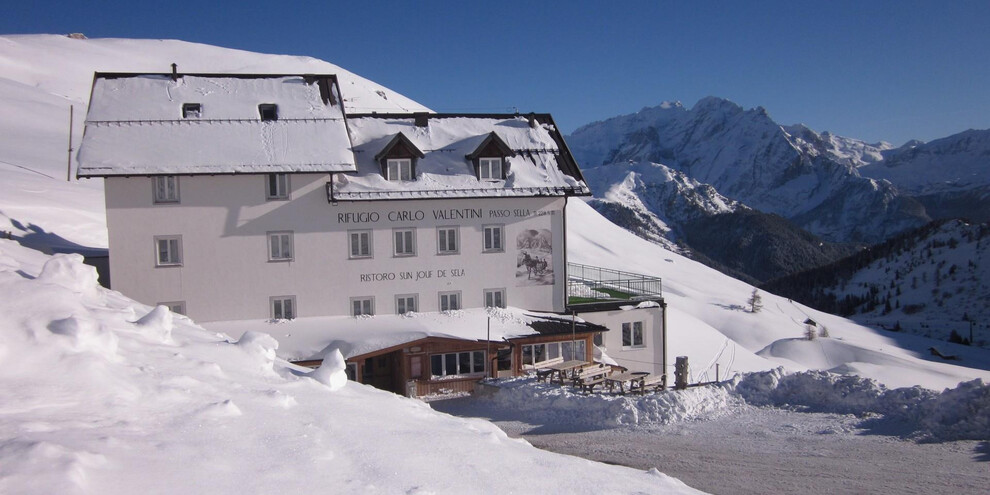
x=258, y=197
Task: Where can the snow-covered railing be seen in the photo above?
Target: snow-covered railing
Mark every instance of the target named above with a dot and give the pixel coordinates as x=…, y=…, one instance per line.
x=587, y=283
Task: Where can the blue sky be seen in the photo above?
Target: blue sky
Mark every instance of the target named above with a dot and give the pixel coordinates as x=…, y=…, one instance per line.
x=870, y=70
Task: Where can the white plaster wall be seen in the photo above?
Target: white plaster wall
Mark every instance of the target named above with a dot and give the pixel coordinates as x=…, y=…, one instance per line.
x=647, y=358
x=226, y=275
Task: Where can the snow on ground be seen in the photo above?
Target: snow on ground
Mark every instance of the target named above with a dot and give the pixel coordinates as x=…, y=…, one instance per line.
x=105, y=395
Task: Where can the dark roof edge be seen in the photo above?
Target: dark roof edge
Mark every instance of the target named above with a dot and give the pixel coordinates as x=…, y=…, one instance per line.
x=120, y=75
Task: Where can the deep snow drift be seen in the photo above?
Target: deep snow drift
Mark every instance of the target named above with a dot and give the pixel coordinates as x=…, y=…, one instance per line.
x=105, y=395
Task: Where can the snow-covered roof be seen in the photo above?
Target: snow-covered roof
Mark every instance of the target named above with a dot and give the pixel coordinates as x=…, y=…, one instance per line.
x=136, y=125
x=540, y=164
x=310, y=338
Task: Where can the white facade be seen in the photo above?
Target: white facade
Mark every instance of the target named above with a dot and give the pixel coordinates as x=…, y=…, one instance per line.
x=226, y=271
x=634, y=339
x=257, y=197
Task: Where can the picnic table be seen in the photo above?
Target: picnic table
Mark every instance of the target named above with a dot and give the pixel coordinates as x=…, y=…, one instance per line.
x=620, y=379
x=561, y=369
x=649, y=381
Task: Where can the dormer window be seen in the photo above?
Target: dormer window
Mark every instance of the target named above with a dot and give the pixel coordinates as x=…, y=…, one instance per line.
x=192, y=110
x=490, y=169
x=400, y=169
x=268, y=111
x=489, y=158
x=398, y=159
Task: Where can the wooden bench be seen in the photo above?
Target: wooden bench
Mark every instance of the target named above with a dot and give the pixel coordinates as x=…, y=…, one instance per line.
x=651, y=381
x=590, y=376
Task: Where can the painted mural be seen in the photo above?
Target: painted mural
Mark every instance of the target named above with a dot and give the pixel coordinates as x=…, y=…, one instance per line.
x=534, y=261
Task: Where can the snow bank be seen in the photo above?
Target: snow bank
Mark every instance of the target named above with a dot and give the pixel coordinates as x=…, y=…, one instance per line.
x=332, y=372
x=565, y=407
x=961, y=413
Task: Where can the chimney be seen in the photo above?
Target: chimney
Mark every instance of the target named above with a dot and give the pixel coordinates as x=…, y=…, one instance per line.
x=422, y=119
x=175, y=72
x=532, y=120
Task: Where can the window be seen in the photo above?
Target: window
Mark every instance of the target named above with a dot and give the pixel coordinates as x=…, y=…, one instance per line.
x=490, y=168
x=405, y=303
x=447, y=240
x=280, y=246
x=168, y=250
x=364, y=305
x=192, y=110
x=450, y=301
x=268, y=111
x=166, y=189
x=277, y=186
x=494, y=235
x=457, y=363
x=405, y=242
x=573, y=350
x=177, y=307
x=632, y=334
x=360, y=243
x=536, y=354
x=400, y=169
x=283, y=307
x=494, y=298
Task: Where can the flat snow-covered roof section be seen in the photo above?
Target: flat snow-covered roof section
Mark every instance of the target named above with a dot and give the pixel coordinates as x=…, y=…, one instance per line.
x=541, y=164
x=136, y=125
x=311, y=338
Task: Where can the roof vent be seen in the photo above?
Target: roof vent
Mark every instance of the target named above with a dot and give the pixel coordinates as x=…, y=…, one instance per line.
x=175, y=72
x=532, y=120
x=422, y=119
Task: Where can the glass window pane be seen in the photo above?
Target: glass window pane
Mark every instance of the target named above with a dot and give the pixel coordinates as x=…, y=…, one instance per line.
x=626, y=334
x=638, y=333
x=450, y=364
x=277, y=309
x=463, y=363
x=436, y=365
x=553, y=350
x=539, y=353
x=497, y=238
x=479, y=361
x=288, y=309
x=527, y=354
x=580, y=352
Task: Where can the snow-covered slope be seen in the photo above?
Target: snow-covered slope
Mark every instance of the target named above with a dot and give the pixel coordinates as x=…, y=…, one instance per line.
x=42, y=75
x=930, y=282
x=795, y=173
x=105, y=395
x=709, y=323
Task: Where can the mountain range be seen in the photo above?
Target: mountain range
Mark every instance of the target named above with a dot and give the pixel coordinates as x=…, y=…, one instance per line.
x=702, y=177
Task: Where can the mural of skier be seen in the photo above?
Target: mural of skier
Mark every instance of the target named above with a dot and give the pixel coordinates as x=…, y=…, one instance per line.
x=534, y=261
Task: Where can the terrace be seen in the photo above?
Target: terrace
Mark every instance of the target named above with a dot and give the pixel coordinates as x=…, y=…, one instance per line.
x=593, y=284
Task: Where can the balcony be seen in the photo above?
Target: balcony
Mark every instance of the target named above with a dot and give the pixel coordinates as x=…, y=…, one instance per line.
x=592, y=284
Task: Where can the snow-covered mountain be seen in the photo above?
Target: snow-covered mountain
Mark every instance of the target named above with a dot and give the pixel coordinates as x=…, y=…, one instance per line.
x=806, y=177
x=950, y=176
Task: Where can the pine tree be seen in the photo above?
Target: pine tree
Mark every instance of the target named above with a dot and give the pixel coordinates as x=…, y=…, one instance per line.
x=755, y=302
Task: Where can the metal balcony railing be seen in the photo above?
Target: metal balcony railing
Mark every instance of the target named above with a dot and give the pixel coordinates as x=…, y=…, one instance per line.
x=590, y=284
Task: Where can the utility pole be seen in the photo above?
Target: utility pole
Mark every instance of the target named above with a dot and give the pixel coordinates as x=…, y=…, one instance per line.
x=68, y=161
